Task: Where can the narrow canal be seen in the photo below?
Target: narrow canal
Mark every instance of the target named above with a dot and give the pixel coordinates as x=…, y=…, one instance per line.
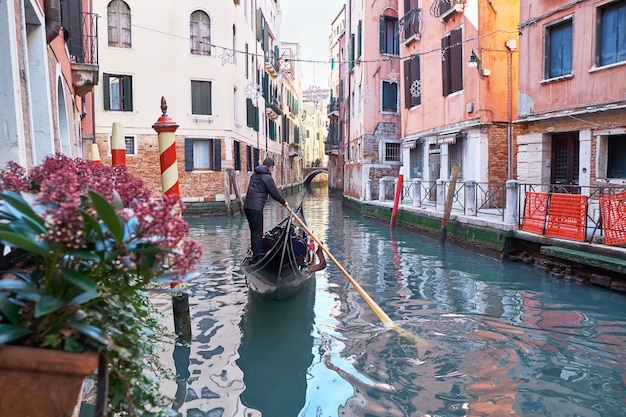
x=495, y=339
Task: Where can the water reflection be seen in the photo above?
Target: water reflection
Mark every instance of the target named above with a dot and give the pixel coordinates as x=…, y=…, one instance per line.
x=499, y=339
x=275, y=353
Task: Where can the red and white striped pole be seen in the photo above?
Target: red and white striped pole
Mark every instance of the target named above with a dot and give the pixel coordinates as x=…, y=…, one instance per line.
x=166, y=128
x=118, y=145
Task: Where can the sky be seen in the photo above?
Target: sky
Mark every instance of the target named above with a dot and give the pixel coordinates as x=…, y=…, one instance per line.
x=307, y=22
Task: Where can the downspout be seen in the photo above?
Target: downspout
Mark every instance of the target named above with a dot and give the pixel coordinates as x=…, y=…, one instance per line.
x=52, y=10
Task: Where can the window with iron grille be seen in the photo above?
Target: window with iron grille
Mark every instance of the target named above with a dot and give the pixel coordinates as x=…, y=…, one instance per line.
x=392, y=152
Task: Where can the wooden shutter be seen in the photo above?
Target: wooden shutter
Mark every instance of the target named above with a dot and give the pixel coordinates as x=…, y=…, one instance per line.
x=188, y=154
x=127, y=91
x=445, y=65
x=407, y=82
x=249, y=113
x=237, y=155
x=217, y=155
x=456, y=60
x=416, y=75
x=381, y=34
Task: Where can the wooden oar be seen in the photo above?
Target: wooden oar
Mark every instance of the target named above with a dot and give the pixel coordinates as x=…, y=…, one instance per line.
x=384, y=318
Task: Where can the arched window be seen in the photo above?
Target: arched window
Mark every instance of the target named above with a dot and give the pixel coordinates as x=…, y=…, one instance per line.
x=200, y=33
x=118, y=23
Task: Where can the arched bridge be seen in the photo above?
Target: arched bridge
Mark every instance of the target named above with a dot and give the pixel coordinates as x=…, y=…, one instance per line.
x=310, y=173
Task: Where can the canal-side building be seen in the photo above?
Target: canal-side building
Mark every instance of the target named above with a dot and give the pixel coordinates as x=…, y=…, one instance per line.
x=218, y=66
x=335, y=139
x=572, y=95
x=372, y=95
x=48, y=66
x=459, y=90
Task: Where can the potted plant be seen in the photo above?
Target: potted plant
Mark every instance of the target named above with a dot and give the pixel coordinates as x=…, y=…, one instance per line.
x=82, y=246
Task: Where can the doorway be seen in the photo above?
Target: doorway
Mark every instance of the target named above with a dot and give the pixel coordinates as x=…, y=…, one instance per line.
x=565, y=161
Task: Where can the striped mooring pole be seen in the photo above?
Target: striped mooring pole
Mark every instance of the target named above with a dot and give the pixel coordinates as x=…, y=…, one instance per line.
x=118, y=145
x=166, y=129
x=94, y=154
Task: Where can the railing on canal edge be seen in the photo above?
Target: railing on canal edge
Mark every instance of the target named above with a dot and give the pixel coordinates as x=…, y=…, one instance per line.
x=499, y=201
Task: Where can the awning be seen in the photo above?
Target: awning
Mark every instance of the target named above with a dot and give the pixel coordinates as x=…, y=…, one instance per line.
x=449, y=138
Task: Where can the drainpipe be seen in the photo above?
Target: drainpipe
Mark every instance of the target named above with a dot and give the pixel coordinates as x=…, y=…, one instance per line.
x=52, y=10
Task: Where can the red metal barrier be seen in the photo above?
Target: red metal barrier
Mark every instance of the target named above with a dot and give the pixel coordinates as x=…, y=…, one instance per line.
x=535, y=210
x=613, y=212
x=567, y=216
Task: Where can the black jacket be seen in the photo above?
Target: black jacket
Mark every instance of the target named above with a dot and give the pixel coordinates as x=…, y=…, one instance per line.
x=261, y=185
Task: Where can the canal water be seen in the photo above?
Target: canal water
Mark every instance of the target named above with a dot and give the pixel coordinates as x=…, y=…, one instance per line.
x=490, y=338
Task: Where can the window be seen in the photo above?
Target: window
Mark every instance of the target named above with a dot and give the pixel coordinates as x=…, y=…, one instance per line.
x=252, y=115
x=201, y=97
x=118, y=21
x=129, y=144
x=118, y=92
x=452, y=62
x=200, y=33
x=389, y=39
x=416, y=161
x=203, y=154
x=389, y=98
x=558, y=50
x=612, y=33
x=235, y=104
x=616, y=156
x=392, y=152
x=455, y=157
x=412, y=82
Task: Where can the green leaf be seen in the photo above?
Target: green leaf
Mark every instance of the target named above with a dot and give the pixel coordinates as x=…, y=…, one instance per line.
x=48, y=304
x=17, y=285
x=18, y=205
x=9, y=309
x=84, y=297
x=20, y=241
x=10, y=333
x=92, y=332
x=82, y=281
x=84, y=255
x=108, y=215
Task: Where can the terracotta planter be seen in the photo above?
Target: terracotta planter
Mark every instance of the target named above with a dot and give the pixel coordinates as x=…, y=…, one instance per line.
x=42, y=382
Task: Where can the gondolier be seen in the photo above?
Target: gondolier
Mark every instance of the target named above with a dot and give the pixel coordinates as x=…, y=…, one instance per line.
x=261, y=185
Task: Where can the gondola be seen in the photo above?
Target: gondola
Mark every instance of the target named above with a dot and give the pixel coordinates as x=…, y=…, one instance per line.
x=286, y=264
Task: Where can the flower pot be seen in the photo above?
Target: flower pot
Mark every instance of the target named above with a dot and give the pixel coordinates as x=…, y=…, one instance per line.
x=42, y=382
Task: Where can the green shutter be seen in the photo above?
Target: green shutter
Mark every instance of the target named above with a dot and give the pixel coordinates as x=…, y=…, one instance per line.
x=381, y=20
x=106, y=93
x=127, y=90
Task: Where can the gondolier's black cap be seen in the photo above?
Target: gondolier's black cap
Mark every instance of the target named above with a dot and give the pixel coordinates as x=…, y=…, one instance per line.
x=269, y=162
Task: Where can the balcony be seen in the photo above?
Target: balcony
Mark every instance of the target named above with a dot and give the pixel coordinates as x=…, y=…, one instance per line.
x=332, y=109
x=271, y=63
x=273, y=108
x=411, y=26
x=443, y=9
x=84, y=57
